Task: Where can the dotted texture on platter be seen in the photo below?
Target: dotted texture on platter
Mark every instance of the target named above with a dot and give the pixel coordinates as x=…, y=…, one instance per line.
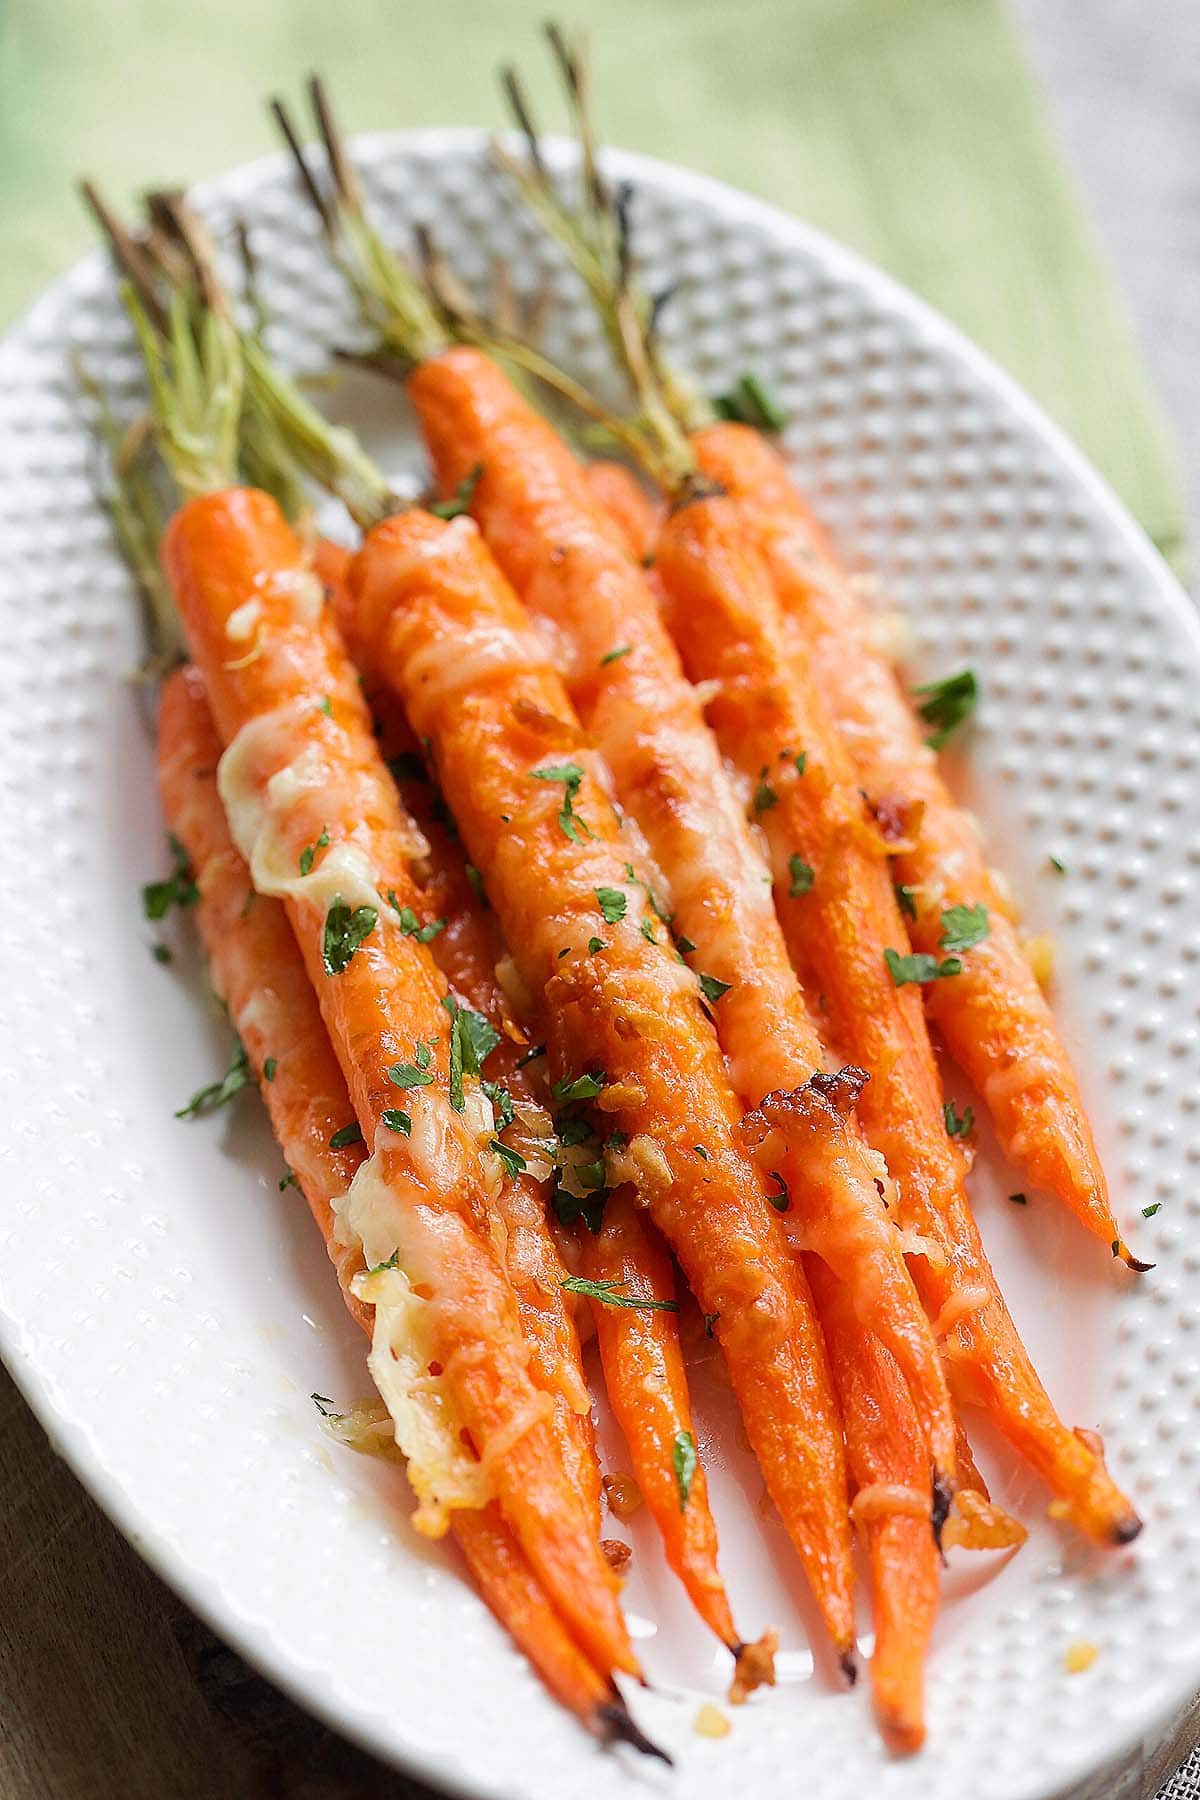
x=132, y=1292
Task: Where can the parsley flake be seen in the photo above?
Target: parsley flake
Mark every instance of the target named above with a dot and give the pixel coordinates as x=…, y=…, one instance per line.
x=308, y=854
x=179, y=888
x=502, y=1102
x=579, y=1087
x=947, y=705
x=612, y=656
x=1058, y=865
x=411, y=925
x=571, y=775
x=710, y=1320
x=288, y=1179
x=958, y=1125
x=712, y=989
x=765, y=796
x=531, y=1055
x=801, y=874
x=460, y=500
x=476, y=882
x=161, y=953
x=326, y=706
x=217, y=1093
x=685, y=1462
x=1148, y=1212
x=906, y=900
x=345, y=930
x=1018, y=1199
x=407, y=1075
x=782, y=1199
x=919, y=967
x=613, y=903
x=349, y=1134
x=397, y=1121
x=594, y=944
x=269, y=1068
x=964, y=926
x=513, y=1161
x=605, y=1292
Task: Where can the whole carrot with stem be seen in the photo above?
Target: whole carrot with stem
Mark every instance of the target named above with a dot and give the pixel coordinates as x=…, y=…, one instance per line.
x=318, y=821
x=833, y=888
x=257, y=969
x=533, y=502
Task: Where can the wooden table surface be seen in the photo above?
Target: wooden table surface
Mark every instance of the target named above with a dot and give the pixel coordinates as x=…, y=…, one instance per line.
x=109, y=1686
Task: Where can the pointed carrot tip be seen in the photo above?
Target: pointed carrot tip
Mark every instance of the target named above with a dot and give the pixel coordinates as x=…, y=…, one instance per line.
x=617, y=1726
x=848, y=1664
x=1131, y=1261
x=1126, y=1529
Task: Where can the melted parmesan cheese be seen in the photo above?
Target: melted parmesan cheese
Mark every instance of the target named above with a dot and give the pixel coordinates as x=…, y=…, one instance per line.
x=957, y=1307
x=241, y=624
x=440, y=670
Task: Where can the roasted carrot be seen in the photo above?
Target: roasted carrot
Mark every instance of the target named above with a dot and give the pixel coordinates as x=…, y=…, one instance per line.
x=647, y=1387
x=257, y=969
x=626, y=1030
x=890, y=1507
x=841, y=922
x=318, y=820
x=993, y=1015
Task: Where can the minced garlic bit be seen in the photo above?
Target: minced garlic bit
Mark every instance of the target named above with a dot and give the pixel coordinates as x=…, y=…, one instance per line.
x=1080, y=1656
x=710, y=1722
x=1040, y=952
x=623, y=1494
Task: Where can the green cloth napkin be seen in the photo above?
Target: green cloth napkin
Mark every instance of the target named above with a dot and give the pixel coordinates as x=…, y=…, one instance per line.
x=911, y=129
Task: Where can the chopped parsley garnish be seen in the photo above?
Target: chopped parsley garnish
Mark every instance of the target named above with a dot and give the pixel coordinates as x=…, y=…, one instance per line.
x=161, y=953
x=208, y=1099
x=1115, y=1246
x=712, y=989
x=749, y=402
x=460, y=501
x=684, y=1462
x=569, y=1208
x=476, y=882
x=963, y=927
x=479, y=1036
x=701, y=1152
x=326, y=706
x=308, y=854
x=613, y=903
x=765, y=796
x=269, y=1068
x=579, y=1087
x=393, y=1262
x=423, y=1055
x=288, y=1179
x=349, y=1134
x=684, y=945
x=502, y=1102
x=513, y=1161
x=407, y=767
x=1058, y=865
x=605, y=1292
x=710, y=1320
x=801, y=874
x=647, y=931
x=947, y=704
x=595, y=944
x=531, y=1055
x=655, y=908
x=407, y=1075
x=919, y=967
x=569, y=821
x=612, y=656
x=345, y=930
x=958, y=1125
x=411, y=925
x=906, y=900
x=1148, y=1212
x=398, y=1121
x=782, y=1199
x=1018, y=1199
x=801, y=762
x=179, y=888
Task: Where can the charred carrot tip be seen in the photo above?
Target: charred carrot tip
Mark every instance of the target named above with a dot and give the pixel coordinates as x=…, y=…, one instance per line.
x=616, y=1726
x=1131, y=1262
x=943, y=1499
x=753, y=1666
x=1126, y=1529
x=848, y=1664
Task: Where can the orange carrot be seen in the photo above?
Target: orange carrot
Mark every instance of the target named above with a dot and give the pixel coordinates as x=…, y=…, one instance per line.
x=891, y=1507
x=647, y=1386
x=257, y=969
x=993, y=1016
x=534, y=506
x=630, y=507
x=841, y=922
x=625, y=1027
x=292, y=703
